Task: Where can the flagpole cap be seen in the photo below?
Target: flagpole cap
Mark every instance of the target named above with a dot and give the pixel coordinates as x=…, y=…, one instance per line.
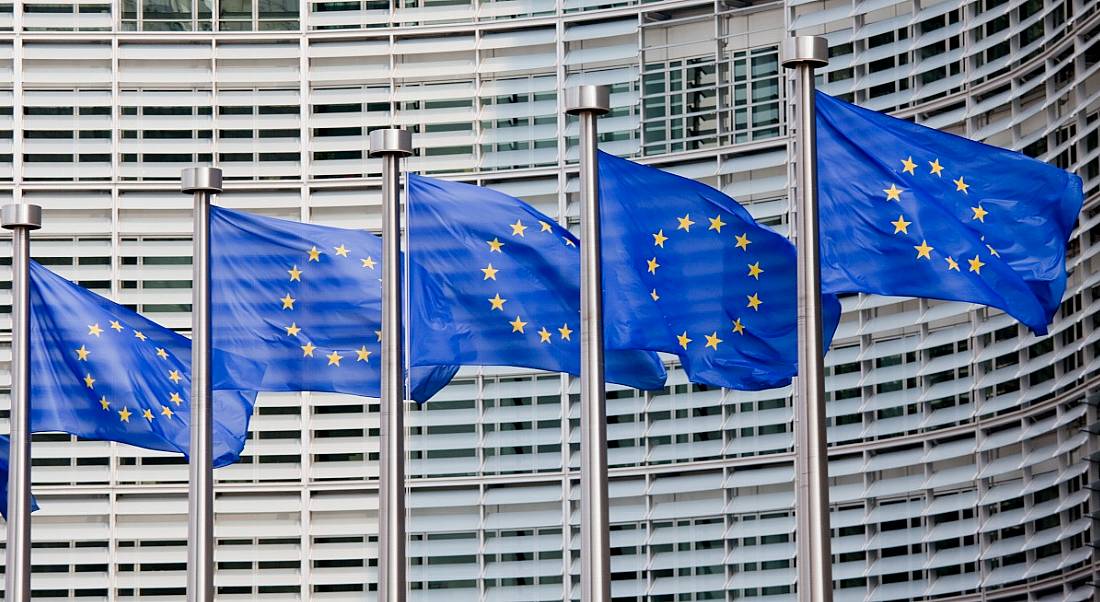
x=201, y=179
x=391, y=141
x=22, y=215
x=588, y=99
x=805, y=50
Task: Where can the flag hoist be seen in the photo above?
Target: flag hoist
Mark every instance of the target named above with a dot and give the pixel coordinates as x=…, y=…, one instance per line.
x=588, y=103
x=814, y=557
x=203, y=183
x=20, y=219
x=391, y=145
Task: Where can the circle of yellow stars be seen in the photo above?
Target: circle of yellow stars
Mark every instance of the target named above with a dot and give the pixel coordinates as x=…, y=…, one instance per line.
x=925, y=250
x=286, y=303
x=753, y=270
x=175, y=398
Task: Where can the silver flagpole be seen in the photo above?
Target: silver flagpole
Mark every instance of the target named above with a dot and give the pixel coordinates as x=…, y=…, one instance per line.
x=20, y=219
x=815, y=568
x=391, y=145
x=203, y=183
x=589, y=102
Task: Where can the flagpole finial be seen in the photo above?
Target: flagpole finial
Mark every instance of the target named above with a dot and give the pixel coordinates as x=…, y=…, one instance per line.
x=391, y=141
x=805, y=50
x=201, y=179
x=588, y=98
x=21, y=215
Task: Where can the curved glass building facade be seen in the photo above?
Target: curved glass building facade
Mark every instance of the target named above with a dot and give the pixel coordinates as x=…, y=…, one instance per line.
x=963, y=458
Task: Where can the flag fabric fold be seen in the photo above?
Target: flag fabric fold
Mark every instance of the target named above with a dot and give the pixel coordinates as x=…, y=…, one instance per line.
x=908, y=210
x=509, y=278
x=5, y=445
x=306, y=302
x=101, y=371
x=697, y=276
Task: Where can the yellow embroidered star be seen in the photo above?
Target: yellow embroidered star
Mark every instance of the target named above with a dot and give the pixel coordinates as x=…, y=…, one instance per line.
x=116, y=326
x=685, y=223
x=545, y=227
x=976, y=264
x=713, y=340
x=923, y=250
x=993, y=251
x=378, y=333
x=362, y=355
x=82, y=353
x=683, y=339
x=952, y=264
x=544, y=335
x=901, y=225
x=124, y=415
x=295, y=274
x=342, y=251
x=497, y=303
x=94, y=329
x=293, y=329
x=754, y=301
x=490, y=272
x=161, y=353
x=494, y=245
x=517, y=325
x=367, y=263
x=334, y=359
x=961, y=186
x=89, y=381
x=518, y=229
x=936, y=167
x=979, y=213
x=147, y=414
x=659, y=238
x=743, y=242
x=565, y=331
x=307, y=349
x=175, y=398
x=314, y=254
x=755, y=270
x=103, y=402
x=893, y=193
x=716, y=223
x=288, y=301
x=909, y=166
x=166, y=411
x=653, y=295
x=139, y=335
x=738, y=327
x=174, y=376
x=653, y=265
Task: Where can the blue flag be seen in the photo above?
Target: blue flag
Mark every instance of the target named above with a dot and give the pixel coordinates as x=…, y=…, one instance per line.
x=911, y=211
x=5, y=444
x=510, y=282
x=695, y=275
x=100, y=371
x=306, y=302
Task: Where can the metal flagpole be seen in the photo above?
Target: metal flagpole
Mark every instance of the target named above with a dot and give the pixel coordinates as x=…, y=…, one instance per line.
x=815, y=568
x=589, y=102
x=204, y=183
x=391, y=145
x=20, y=219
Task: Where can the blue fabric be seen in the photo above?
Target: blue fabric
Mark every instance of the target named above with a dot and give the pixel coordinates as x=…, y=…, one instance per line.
x=510, y=283
x=911, y=211
x=306, y=302
x=689, y=266
x=101, y=371
x=5, y=444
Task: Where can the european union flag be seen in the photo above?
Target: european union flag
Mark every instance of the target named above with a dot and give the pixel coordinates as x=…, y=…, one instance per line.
x=306, y=302
x=911, y=211
x=510, y=281
x=5, y=444
x=721, y=286
x=101, y=371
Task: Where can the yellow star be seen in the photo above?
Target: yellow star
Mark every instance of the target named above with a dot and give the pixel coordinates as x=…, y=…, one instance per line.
x=494, y=245
x=568, y=241
x=743, y=242
x=754, y=301
x=659, y=238
x=378, y=333
x=174, y=376
x=923, y=250
x=139, y=335
x=334, y=359
x=952, y=264
x=89, y=381
x=979, y=213
x=288, y=301
x=755, y=270
x=683, y=339
x=94, y=329
x=293, y=329
x=295, y=274
x=518, y=228
x=103, y=402
x=544, y=335
x=362, y=355
x=490, y=272
x=909, y=166
x=961, y=186
x=993, y=251
x=517, y=325
x=716, y=223
x=565, y=332
x=124, y=415
x=166, y=411
x=175, y=398
x=82, y=353
x=307, y=349
x=976, y=265
x=936, y=167
x=713, y=340
x=545, y=227
x=147, y=414
x=738, y=327
x=497, y=303
x=116, y=326
x=893, y=193
x=901, y=225
x=368, y=262
x=653, y=265
x=314, y=254
x=685, y=223
x=161, y=353
x=342, y=251
x=653, y=295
